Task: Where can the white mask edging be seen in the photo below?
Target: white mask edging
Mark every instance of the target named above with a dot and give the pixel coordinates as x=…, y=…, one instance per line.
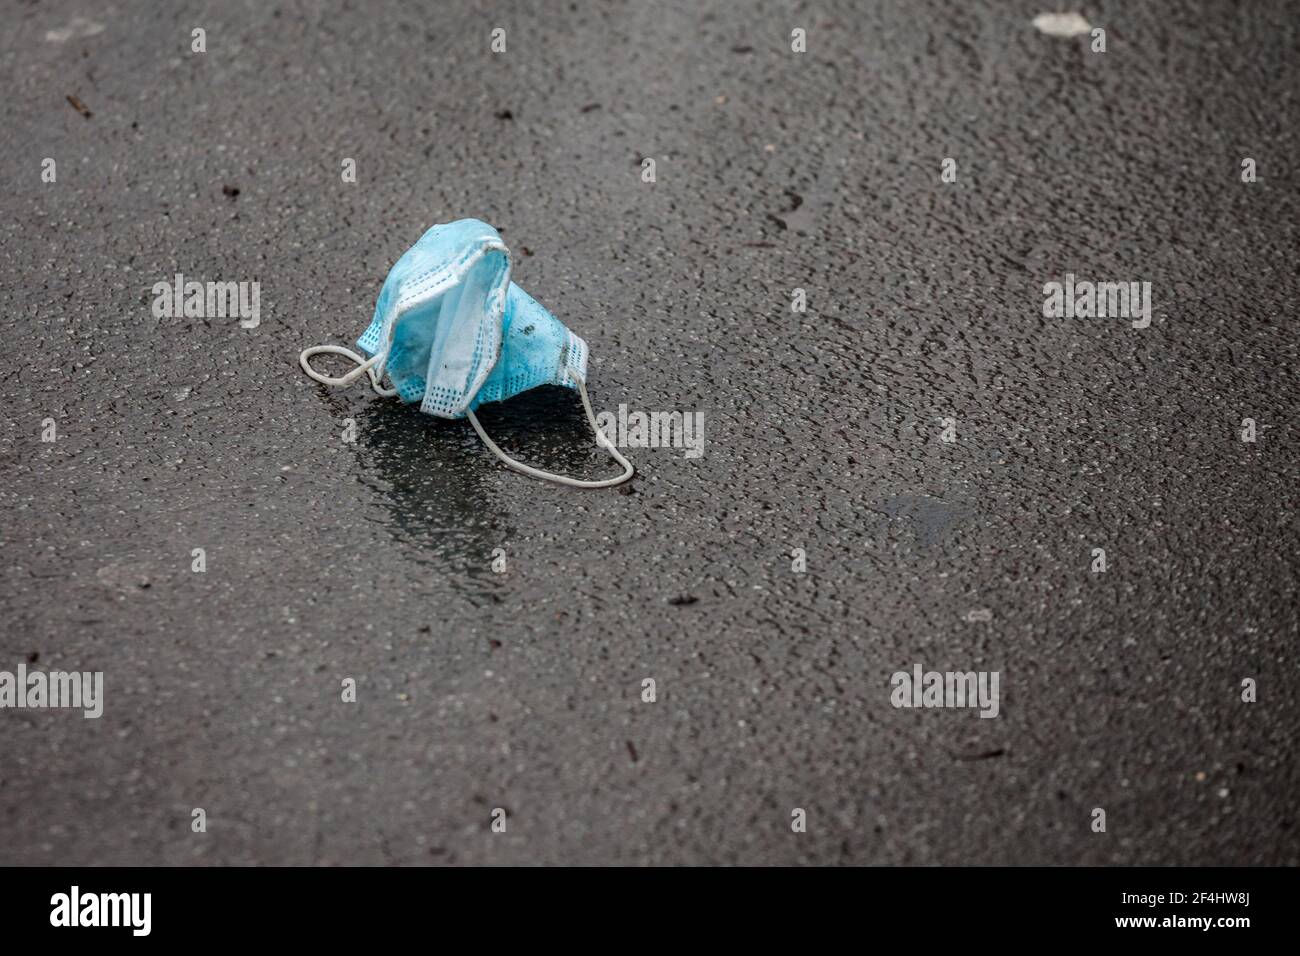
x=366, y=366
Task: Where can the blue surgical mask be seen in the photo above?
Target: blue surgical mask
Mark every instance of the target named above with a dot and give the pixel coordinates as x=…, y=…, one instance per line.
x=452, y=332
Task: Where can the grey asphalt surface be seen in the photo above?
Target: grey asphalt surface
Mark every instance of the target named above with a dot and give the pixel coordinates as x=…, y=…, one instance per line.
x=522, y=690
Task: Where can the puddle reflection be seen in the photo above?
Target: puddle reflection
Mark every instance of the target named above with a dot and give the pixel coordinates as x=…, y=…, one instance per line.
x=441, y=488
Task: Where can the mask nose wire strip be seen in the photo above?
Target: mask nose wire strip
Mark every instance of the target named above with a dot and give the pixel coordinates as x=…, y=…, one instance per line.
x=364, y=366
x=562, y=479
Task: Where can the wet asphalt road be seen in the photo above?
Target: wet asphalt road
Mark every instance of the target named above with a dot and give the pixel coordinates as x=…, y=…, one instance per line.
x=523, y=690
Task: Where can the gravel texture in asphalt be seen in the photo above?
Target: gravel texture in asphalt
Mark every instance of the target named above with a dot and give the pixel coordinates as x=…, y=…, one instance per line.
x=523, y=690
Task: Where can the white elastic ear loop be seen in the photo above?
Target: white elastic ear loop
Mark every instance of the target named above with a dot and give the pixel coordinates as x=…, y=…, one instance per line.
x=563, y=479
x=364, y=366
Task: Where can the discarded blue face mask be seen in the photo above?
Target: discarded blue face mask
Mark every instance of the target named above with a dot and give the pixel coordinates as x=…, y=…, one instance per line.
x=452, y=332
